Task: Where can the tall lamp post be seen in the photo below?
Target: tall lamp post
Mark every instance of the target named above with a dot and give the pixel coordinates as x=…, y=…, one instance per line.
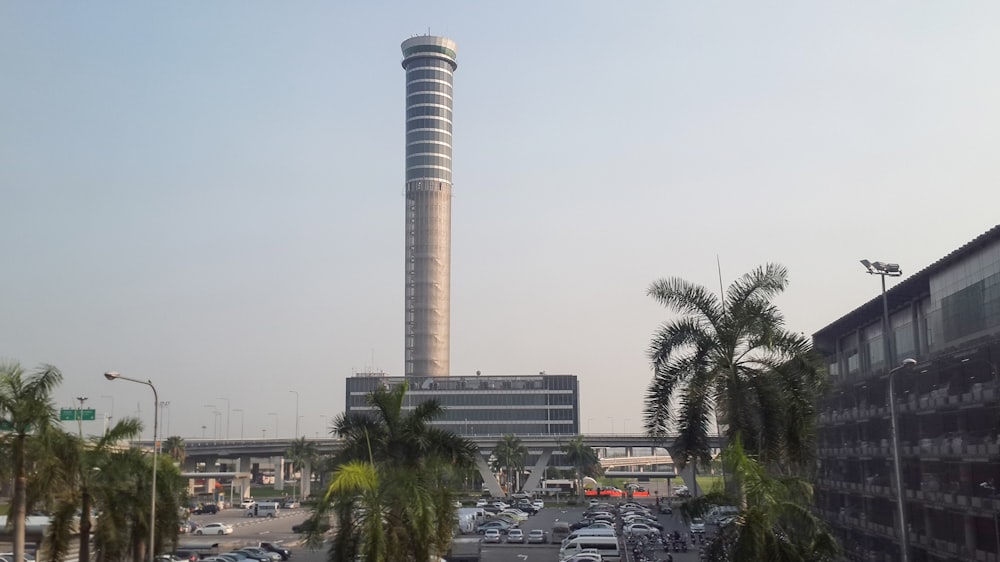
x=275, y=414
x=996, y=526
x=228, y=410
x=112, y=375
x=892, y=270
x=240, y=410
x=296, y=393
x=79, y=414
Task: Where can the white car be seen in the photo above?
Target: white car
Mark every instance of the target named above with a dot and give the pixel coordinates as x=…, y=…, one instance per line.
x=641, y=529
x=492, y=535
x=537, y=536
x=515, y=535
x=515, y=513
x=697, y=526
x=214, y=529
x=482, y=502
x=538, y=504
x=247, y=503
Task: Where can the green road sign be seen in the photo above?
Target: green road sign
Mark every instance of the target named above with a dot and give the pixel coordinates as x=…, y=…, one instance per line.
x=73, y=414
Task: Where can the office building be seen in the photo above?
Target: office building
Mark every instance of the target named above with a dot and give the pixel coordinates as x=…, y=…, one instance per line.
x=947, y=318
x=480, y=406
x=430, y=64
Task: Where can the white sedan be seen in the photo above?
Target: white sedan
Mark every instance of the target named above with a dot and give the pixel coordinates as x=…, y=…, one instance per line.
x=640, y=529
x=214, y=529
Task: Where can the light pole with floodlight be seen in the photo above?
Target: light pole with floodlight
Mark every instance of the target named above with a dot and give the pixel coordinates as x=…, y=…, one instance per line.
x=228, y=410
x=892, y=270
x=996, y=526
x=296, y=393
x=275, y=414
x=240, y=410
x=112, y=375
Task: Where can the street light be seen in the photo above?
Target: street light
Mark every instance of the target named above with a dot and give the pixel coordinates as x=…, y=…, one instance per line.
x=79, y=414
x=165, y=412
x=296, y=393
x=112, y=375
x=996, y=526
x=275, y=423
x=892, y=270
x=228, y=410
x=240, y=410
x=216, y=415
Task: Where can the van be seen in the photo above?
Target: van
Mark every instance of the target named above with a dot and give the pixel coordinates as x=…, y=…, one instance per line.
x=606, y=546
x=263, y=509
x=560, y=530
x=590, y=532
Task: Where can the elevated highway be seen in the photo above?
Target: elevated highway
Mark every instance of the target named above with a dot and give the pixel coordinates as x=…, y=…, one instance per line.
x=616, y=452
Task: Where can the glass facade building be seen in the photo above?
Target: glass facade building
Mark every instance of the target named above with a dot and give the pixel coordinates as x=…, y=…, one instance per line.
x=947, y=318
x=430, y=64
x=486, y=405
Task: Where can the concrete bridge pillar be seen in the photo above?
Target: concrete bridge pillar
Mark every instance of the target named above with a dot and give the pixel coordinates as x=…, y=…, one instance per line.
x=537, y=471
x=489, y=479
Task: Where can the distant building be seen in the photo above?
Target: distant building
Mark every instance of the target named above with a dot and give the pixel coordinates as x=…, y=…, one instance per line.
x=486, y=405
x=947, y=317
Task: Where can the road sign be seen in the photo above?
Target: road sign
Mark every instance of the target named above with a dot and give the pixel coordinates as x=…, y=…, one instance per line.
x=73, y=414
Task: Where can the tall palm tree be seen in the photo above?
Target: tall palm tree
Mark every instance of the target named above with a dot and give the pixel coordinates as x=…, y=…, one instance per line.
x=731, y=362
x=75, y=464
x=416, y=466
x=176, y=449
x=303, y=454
x=509, y=456
x=775, y=521
x=584, y=460
x=26, y=409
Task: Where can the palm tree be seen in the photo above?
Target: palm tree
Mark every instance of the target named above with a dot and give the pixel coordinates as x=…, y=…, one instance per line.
x=416, y=467
x=176, y=449
x=75, y=463
x=26, y=409
x=584, y=460
x=509, y=456
x=732, y=362
x=775, y=521
x=302, y=454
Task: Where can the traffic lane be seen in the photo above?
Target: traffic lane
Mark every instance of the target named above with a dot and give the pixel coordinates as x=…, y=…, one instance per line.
x=249, y=531
x=674, y=522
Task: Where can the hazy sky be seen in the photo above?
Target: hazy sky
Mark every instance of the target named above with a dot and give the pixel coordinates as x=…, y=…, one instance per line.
x=210, y=194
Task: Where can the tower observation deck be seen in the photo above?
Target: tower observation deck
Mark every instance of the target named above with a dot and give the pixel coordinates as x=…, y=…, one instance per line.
x=430, y=64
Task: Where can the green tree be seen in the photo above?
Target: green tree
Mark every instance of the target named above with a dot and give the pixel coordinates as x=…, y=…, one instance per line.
x=122, y=494
x=775, y=521
x=174, y=446
x=410, y=470
x=67, y=470
x=509, y=456
x=26, y=409
x=303, y=454
x=732, y=362
x=584, y=460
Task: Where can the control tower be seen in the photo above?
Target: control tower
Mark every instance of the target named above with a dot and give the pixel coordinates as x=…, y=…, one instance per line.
x=430, y=64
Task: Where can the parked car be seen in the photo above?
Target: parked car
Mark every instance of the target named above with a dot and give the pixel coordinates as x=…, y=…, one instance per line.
x=291, y=504
x=497, y=524
x=481, y=502
x=492, y=535
x=515, y=535
x=538, y=505
x=209, y=508
x=259, y=552
x=189, y=555
x=641, y=529
x=536, y=536
x=214, y=529
x=285, y=553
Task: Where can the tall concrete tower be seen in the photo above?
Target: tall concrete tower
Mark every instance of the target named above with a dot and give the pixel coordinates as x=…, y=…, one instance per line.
x=430, y=64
